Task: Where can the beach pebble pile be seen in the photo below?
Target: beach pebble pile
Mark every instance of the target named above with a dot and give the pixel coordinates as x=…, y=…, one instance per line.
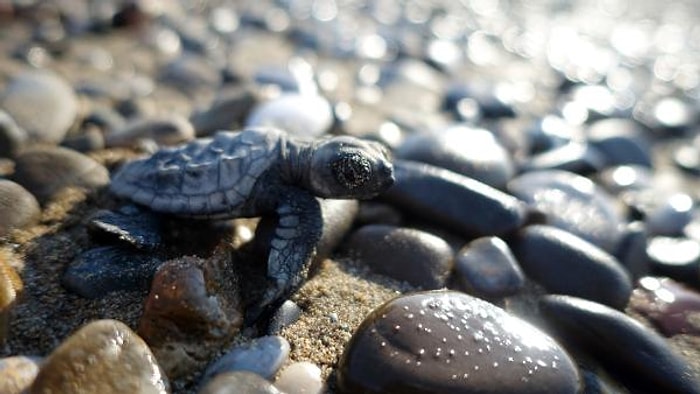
x=542, y=233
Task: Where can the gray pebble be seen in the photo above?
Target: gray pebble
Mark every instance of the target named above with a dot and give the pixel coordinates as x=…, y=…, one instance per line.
x=621, y=343
x=487, y=266
x=263, y=356
x=450, y=342
x=42, y=103
x=286, y=314
x=44, y=171
x=411, y=255
x=620, y=141
x=239, y=382
x=300, y=115
x=227, y=112
x=12, y=137
x=566, y=264
x=18, y=207
x=166, y=130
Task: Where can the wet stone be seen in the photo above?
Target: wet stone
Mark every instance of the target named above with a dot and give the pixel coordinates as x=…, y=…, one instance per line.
x=17, y=373
x=571, y=202
x=42, y=103
x=464, y=205
x=300, y=378
x=566, y=264
x=18, y=207
x=99, y=271
x=285, y=315
x=263, y=356
x=620, y=141
x=469, y=151
x=130, y=224
x=300, y=115
x=577, y=157
x=451, y=342
x=237, y=383
x=417, y=257
x=12, y=137
x=487, y=267
x=675, y=257
x=104, y=356
x=672, y=307
x=670, y=215
x=636, y=355
x=167, y=130
x=44, y=171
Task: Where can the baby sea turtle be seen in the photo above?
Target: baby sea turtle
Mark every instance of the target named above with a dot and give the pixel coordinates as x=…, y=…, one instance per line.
x=256, y=172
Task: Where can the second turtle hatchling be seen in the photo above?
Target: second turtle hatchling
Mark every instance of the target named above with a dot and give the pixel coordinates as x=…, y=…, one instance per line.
x=257, y=172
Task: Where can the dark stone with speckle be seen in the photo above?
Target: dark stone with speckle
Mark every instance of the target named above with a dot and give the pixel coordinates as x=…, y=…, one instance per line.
x=621, y=344
x=18, y=207
x=450, y=342
x=415, y=256
x=566, y=264
x=487, y=267
x=97, y=272
x=240, y=382
x=462, y=204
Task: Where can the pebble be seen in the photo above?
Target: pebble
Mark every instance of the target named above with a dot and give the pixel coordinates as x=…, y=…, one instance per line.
x=470, y=151
x=616, y=340
x=227, y=112
x=192, y=310
x=620, y=179
x=632, y=250
x=462, y=204
x=130, y=224
x=566, y=264
x=573, y=203
x=239, y=382
x=17, y=373
x=288, y=313
x=620, y=141
x=104, y=356
x=302, y=377
x=483, y=94
x=263, y=356
x=417, y=257
x=11, y=287
x=99, y=271
x=670, y=215
x=42, y=103
x=487, y=267
x=300, y=115
x=44, y=171
x=12, y=137
x=577, y=157
x=450, y=342
x=172, y=129
x=18, y=207
x=672, y=307
x=678, y=258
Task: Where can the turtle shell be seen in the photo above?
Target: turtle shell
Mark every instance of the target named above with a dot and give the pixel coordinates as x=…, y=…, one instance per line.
x=206, y=177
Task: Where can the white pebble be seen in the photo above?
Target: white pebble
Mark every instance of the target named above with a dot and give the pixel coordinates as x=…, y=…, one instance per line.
x=300, y=378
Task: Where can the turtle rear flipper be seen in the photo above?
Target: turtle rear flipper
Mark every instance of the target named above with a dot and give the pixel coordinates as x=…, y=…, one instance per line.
x=292, y=250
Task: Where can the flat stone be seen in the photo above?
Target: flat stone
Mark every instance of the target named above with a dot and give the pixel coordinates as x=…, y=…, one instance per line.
x=450, y=342
x=300, y=115
x=300, y=378
x=263, y=356
x=417, y=257
x=104, y=356
x=487, y=267
x=130, y=225
x=165, y=130
x=227, y=112
x=620, y=343
x=566, y=264
x=17, y=373
x=42, y=103
x=18, y=207
x=239, y=382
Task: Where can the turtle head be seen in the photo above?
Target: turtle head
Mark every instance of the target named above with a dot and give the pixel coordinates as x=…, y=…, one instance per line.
x=348, y=167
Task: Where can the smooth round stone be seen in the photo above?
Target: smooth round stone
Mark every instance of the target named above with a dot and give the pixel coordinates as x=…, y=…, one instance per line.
x=464, y=205
x=91, y=139
x=450, y=342
x=577, y=157
x=550, y=132
x=621, y=343
x=42, y=103
x=619, y=179
x=469, y=151
x=566, y=264
x=487, y=267
x=673, y=308
x=300, y=378
x=678, y=258
x=240, y=382
x=484, y=94
x=227, y=112
x=620, y=141
x=417, y=257
x=104, y=356
x=263, y=356
x=632, y=250
x=300, y=115
x=190, y=73
x=17, y=373
x=573, y=203
x=18, y=207
x=671, y=215
x=44, y=171
x=170, y=130
x=100, y=271
x=285, y=315
x=12, y=137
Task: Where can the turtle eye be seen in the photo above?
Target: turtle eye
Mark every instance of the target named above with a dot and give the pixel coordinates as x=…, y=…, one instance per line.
x=352, y=170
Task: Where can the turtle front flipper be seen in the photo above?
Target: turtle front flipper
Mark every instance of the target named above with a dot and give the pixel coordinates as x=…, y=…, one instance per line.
x=292, y=249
